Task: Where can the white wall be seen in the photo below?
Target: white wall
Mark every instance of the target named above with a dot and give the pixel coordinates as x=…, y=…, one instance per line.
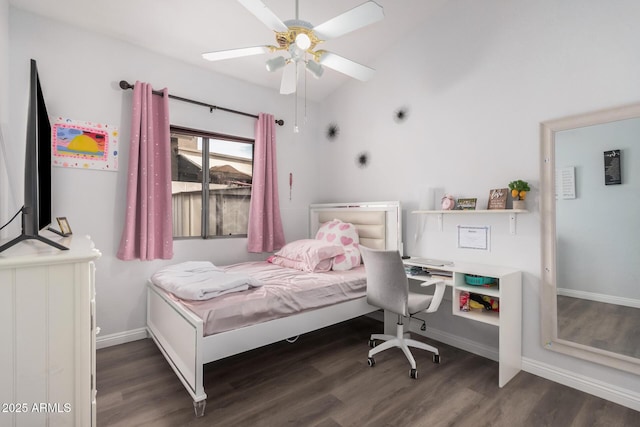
x=80, y=72
x=477, y=79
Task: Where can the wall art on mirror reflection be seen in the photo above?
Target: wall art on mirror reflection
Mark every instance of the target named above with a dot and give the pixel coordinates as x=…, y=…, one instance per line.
x=612, y=170
x=84, y=145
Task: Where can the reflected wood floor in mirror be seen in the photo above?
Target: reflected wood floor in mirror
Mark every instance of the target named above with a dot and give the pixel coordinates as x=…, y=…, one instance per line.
x=609, y=327
x=323, y=380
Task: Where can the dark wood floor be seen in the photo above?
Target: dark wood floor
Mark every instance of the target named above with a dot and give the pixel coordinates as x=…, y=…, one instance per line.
x=610, y=327
x=323, y=380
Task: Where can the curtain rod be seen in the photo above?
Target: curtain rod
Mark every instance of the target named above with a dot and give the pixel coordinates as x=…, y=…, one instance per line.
x=124, y=85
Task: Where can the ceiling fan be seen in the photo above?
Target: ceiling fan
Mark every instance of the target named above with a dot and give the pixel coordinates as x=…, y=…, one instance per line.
x=299, y=39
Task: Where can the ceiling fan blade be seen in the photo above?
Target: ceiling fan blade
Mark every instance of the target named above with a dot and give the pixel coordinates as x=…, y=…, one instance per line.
x=289, y=81
x=346, y=66
x=236, y=53
x=358, y=17
x=264, y=14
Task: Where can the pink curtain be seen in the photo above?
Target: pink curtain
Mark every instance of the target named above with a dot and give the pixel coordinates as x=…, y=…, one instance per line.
x=148, y=233
x=265, y=232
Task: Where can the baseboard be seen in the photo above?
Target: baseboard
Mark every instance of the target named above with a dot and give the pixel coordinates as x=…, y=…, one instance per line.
x=628, y=398
x=104, y=341
x=376, y=315
x=458, y=342
x=592, y=296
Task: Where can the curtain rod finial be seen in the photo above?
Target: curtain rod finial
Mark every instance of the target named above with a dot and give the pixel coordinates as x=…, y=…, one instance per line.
x=125, y=85
x=280, y=122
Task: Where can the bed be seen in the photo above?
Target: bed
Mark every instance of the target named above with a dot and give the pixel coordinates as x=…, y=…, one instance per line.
x=188, y=342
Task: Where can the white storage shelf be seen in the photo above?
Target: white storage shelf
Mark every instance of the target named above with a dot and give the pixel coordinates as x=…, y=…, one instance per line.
x=460, y=285
x=508, y=319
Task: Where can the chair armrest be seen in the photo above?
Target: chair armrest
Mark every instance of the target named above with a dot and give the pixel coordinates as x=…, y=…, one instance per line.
x=429, y=282
x=438, y=294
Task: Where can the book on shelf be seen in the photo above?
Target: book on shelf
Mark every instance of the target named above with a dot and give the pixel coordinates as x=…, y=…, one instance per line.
x=439, y=273
x=414, y=270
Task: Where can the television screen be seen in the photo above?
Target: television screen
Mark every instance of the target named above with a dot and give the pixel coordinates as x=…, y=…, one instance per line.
x=44, y=158
x=36, y=211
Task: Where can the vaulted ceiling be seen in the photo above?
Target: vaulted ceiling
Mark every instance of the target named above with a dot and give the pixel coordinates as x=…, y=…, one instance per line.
x=184, y=29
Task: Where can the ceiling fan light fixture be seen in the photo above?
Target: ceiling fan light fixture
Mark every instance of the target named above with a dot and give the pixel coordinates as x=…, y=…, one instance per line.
x=276, y=63
x=303, y=41
x=315, y=69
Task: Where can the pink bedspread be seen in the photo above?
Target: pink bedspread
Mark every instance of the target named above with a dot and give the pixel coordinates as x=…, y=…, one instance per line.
x=286, y=291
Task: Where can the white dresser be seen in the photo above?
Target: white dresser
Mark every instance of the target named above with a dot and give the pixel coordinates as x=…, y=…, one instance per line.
x=47, y=334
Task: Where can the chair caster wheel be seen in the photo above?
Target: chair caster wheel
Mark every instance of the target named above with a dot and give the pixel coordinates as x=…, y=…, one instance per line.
x=371, y=361
x=436, y=358
x=372, y=343
x=413, y=374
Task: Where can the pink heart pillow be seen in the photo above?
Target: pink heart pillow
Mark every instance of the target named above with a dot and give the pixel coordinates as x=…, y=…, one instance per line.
x=345, y=234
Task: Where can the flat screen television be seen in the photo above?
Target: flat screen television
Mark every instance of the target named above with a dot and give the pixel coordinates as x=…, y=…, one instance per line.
x=36, y=211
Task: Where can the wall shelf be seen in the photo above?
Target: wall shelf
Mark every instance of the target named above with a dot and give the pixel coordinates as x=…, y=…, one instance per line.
x=512, y=213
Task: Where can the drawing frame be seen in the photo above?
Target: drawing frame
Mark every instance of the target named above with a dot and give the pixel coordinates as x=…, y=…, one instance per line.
x=474, y=237
x=84, y=145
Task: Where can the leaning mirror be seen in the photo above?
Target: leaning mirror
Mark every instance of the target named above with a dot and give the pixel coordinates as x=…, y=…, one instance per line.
x=590, y=212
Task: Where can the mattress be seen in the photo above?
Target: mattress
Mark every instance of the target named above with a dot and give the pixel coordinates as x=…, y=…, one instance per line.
x=285, y=291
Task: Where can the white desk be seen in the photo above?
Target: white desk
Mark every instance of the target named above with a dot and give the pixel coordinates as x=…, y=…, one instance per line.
x=509, y=318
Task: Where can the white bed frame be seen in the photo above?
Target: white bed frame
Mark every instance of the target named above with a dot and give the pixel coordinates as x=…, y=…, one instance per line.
x=178, y=332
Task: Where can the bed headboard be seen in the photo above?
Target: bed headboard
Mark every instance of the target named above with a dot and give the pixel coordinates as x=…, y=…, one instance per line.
x=379, y=224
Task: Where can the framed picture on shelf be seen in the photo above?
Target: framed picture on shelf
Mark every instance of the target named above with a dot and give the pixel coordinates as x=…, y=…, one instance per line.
x=65, y=229
x=467, y=204
x=498, y=198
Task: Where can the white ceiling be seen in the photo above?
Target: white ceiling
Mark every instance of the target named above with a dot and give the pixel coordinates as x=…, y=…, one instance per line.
x=184, y=29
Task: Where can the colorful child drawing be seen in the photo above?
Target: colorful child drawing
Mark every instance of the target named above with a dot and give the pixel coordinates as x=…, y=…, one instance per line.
x=74, y=142
x=84, y=145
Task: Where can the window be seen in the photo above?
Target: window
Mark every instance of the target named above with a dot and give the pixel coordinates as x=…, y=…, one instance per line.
x=214, y=203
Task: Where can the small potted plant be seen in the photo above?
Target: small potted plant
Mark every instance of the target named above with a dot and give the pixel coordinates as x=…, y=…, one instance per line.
x=519, y=190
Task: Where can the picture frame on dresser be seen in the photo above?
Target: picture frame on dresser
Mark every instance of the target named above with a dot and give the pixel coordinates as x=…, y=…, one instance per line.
x=65, y=228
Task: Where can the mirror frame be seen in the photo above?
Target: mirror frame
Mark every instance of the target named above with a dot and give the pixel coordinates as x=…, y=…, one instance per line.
x=549, y=302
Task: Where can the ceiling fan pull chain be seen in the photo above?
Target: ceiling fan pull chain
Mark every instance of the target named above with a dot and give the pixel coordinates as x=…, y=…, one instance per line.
x=305, y=91
x=295, y=96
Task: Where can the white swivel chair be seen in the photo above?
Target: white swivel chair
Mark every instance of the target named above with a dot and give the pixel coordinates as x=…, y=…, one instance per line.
x=388, y=288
